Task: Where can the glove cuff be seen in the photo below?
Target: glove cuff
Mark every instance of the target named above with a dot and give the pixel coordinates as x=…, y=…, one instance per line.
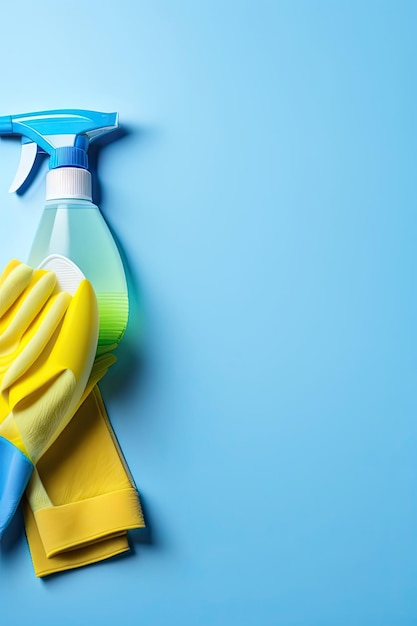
x=15, y=471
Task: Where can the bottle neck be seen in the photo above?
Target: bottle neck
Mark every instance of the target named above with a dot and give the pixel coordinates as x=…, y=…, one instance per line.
x=68, y=182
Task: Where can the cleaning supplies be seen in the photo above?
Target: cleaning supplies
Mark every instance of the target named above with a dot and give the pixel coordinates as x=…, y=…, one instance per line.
x=69, y=510
x=71, y=225
x=48, y=341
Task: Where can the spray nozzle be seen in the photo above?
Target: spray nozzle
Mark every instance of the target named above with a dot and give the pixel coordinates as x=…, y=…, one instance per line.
x=64, y=134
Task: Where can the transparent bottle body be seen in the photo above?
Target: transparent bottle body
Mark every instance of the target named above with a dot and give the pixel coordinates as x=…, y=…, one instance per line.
x=77, y=230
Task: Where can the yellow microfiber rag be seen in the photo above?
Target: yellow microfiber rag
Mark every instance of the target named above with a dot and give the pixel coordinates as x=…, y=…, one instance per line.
x=81, y=499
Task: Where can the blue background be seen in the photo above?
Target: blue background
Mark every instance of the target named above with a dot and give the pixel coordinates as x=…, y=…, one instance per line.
x=264, y=195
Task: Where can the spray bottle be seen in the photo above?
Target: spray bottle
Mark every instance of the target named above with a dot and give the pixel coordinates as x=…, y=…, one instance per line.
x=71, y=225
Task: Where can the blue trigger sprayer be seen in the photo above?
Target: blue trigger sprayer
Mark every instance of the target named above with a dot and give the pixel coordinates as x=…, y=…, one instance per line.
x=71, y=225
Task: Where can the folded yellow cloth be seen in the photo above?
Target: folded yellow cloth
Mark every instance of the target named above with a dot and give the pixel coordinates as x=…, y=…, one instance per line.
x=81, y=499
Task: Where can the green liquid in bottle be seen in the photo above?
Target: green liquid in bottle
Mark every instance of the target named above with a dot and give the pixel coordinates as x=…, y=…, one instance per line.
x=77, y=230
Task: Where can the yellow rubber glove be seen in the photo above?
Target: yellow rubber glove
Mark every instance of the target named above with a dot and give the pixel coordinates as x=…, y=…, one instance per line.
x=48, y=341
x=76, y=513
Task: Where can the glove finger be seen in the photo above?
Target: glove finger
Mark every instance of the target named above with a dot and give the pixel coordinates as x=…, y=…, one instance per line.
x=77, y=341
x=51, y=316
x=28, y=308
x=15, y=278
x=9, y=267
